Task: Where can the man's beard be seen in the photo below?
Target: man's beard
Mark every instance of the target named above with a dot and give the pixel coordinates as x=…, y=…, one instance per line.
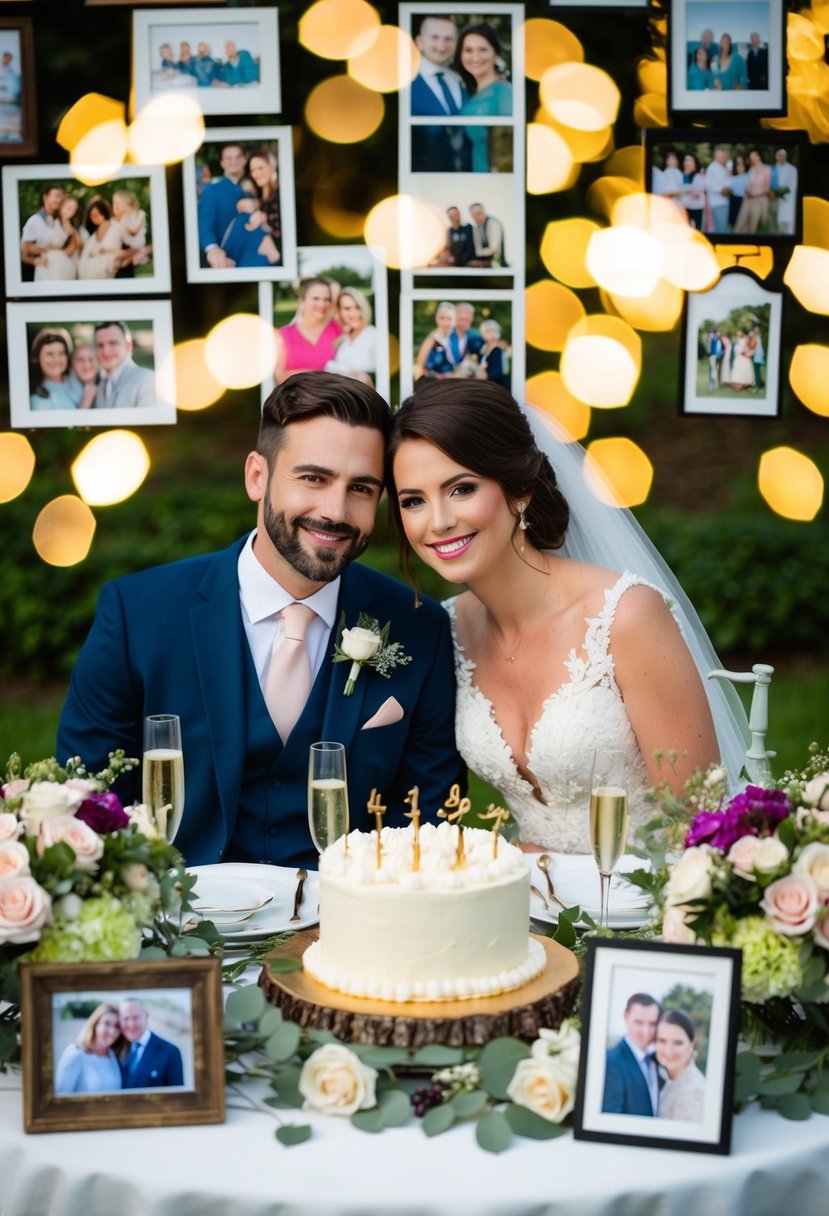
x=322, y=565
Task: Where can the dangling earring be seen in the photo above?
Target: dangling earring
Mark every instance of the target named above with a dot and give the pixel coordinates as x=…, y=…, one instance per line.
x=522, y=516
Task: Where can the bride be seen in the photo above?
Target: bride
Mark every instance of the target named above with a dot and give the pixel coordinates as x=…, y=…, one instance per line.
x=555, y=655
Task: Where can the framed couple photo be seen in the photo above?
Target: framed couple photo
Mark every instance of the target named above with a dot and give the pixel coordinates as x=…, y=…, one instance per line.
x=18, y=108
x=659, y=1038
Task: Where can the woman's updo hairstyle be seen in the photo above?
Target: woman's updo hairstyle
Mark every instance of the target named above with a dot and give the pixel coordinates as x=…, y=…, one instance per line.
x=677, y=1017
x=479, y=425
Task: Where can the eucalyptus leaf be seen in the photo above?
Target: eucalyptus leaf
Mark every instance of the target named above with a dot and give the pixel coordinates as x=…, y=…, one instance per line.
x=151, y=953
x=246, y=1004
x=437, y=1056
x=368, y=1120
x=384, y=1057
x=321, y=1036
x=497, y=1064
x=8, y=1041
x=527, y=1123
x=282, y=965
x=270, y=1021
x=774, y=1087
x=395, y=1106
x=438, y=1119
x=284, y=1042
x=795, y=1106
x=470, y=1102
x=747, y=1066
x=286, y=1084
x=796, y=1061
x=293, y=1133
x=493, y=1132
x=820, y=1101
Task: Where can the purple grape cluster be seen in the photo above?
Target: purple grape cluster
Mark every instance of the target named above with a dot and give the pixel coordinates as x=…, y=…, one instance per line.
x=425, y=1097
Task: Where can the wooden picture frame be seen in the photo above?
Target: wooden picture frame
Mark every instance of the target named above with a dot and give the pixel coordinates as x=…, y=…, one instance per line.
x=17, y=40
x=178, y=1079
x=684, y=1001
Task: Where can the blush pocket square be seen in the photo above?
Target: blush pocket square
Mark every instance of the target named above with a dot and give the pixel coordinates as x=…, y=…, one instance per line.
x=389, y=712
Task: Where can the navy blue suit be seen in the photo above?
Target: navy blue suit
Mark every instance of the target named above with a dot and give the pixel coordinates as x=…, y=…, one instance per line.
x=625, y=1088
x=424, y=102
x=160, y=1064
x=217, y=209
x=474, y=344
x=171, y=640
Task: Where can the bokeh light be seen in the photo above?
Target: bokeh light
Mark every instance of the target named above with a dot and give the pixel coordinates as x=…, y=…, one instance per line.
x=342, y=111
x=99, y=154
x=690, y=261
x=196, y=387
x=91, y=110
x=605, y=192
x=647, y=211
x=618, y=472
x=384, y=60
x=580, y=95
x=168, y=128
x=807, y=277
x=330, y=28
x=17, y=463
x=549, y=160
x=816, y=221
x=338, y=202
x=546, y=391
x=563, y=250
x=410, y=232
x=240, y=351
x=652, y=76
x=550, y=312
x=110, y=468
x=625, y=259
x=809, y=377
x=651, y=110
x=585, y=146
x=803, y=38
x=628, y=162
x=790, y=483
x=654, y=313
x=547, y=43
x=63, y=531
x=601, y=361
x=759, y=259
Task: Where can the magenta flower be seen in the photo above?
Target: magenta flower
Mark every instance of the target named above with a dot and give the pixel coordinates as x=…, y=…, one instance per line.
x=754, y=812
x=103, y=813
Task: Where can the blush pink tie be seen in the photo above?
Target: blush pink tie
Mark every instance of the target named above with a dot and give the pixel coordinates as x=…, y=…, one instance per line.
x=288, y=682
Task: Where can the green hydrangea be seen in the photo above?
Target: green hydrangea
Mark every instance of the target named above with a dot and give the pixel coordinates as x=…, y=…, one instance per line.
x=771, y=963
x=104, y=931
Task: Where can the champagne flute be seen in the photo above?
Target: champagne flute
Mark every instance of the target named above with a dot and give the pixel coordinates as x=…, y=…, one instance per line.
x=608, y=817
x=327, y=795
x=162, y=785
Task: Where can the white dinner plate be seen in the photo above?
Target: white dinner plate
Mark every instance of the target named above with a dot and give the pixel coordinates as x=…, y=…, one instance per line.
x=243, y=882
x=576, y=881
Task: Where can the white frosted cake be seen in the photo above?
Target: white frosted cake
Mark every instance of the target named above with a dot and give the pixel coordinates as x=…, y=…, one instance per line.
x=438, y=934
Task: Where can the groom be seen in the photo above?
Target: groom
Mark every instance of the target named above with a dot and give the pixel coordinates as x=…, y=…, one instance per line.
x=202, y=638
x=631, y=1083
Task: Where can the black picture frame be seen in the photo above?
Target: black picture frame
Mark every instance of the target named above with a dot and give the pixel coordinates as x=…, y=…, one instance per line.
x=702, y=143
x=26, y=145
x=612, y=1089
x=688, y=100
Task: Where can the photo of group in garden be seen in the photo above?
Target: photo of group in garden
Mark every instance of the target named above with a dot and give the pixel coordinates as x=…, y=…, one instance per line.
x=727, y=55
x=459, y=335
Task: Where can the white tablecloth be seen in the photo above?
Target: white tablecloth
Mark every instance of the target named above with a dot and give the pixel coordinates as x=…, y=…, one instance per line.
x=239, y=1169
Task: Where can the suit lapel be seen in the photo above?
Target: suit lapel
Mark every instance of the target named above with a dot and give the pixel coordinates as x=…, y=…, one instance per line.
x=343, y=714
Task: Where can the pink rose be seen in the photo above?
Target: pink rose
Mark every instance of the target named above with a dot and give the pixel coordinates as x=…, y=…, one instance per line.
x=742, y=854
x=822, y=929
x=14, y=859
x=15, y=788
x=791, y=905
x=24, y=909
x=814, y=861
x=88, y=846
x=817, y=791
x=82, y=784
x=10, y=826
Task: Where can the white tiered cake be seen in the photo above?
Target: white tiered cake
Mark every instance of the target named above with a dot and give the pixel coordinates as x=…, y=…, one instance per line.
x=441, y=933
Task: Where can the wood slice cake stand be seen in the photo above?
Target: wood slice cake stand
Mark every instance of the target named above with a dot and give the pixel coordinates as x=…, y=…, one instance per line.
x=543, y=1002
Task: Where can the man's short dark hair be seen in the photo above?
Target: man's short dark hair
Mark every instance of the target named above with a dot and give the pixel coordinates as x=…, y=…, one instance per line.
x=642, y=998
x=109, y=324
x=319, y=395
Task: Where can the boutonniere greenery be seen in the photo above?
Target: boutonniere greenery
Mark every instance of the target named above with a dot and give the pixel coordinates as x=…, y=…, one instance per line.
x=367, y=645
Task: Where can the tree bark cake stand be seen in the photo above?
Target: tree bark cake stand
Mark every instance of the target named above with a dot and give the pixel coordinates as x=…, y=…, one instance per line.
x=543, y=1002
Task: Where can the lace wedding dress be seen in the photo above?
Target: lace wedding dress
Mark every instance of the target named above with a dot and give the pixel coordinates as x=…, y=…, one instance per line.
x=586, y=712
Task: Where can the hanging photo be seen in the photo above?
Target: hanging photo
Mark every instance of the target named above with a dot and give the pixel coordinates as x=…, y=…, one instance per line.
x=18, y=113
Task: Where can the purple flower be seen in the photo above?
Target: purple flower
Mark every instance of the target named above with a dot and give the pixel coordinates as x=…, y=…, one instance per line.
x=103, y=813
x=754, y=812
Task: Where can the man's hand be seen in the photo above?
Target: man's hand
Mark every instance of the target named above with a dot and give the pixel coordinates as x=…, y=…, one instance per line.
x=218, y=259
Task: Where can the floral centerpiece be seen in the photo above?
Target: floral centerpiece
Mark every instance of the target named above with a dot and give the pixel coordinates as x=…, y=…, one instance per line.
x=82, y=878
x=752, y=872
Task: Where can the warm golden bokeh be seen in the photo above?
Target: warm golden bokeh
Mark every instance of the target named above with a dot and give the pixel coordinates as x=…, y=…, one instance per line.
x=240, y=351
x=759, y=259
x=547, y=43
x=655, y=313
x=618, y=472
x=791, y=484
x=410, y=232
x=628, y=162
x=549, y=161
x=651, y=110
x=343, y=111
x=563, y=250
x=580, y=95
x=809, y=377
x=625, y=259
x=330, y=28
x=647, y=211
x=384, y=60
x=585, y=147
x=17, y=464
x=110, y=468
x=803, y=38
x=807, y=277
x=690, y=261
x=605, y=192
x=546, y=391
x=652, y=76
x=91, y=110
x=169, y=128
x=196, y=388
x=63, y=531
x=99, y=154
x=816, y=221
x=551, y=311
x=601, y=361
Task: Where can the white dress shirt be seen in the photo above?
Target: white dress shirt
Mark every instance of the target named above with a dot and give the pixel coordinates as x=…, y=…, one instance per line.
x=261, y=597
x=647, y=1063
x=429, y=71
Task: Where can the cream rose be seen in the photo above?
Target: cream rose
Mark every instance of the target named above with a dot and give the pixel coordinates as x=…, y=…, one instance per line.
x=10, y=826
x=544, y=1086
x=88, y=845
x=14, y=859
x=770, y=855
x=24, y=909
x=817, y=791
x=814, y=861
x=360, y=644
x=675, y=927
x=690, y=878
x=83, y=785
x=140, y=817
x=136, y=876
x=791, y=905
x=46, y=800
x=336, y=1081
x=742, y=855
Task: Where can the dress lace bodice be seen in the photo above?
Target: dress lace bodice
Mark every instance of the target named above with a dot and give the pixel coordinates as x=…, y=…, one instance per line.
x=684, y=1097
x=586, y=712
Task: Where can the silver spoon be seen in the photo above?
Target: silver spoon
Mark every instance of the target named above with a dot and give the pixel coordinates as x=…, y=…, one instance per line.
x=544, y=862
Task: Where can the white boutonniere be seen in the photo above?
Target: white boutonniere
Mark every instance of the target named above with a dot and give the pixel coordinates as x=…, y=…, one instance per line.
x=367, y=645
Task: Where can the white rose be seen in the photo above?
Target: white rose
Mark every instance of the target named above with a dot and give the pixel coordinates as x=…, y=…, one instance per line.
x=690, y=878
x=360, y=644
x=336, y=1081
x=10, y=826
x=675, y=928
x=47, y=800
x=70, y=906
x=14, y=860
x=83, y=785
x=88, y=845
x=24, y=909
x=140, y=818
x=564, y=1044
x=545, y=1087
x=136, y=876
x=814, y=860
x=770, y=855
x=742, y=855
x=817, y=791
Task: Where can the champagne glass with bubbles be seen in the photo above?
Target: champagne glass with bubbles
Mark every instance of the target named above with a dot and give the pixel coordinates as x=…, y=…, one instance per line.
x=608, y=816
x=327, y=794
x=163, y=773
